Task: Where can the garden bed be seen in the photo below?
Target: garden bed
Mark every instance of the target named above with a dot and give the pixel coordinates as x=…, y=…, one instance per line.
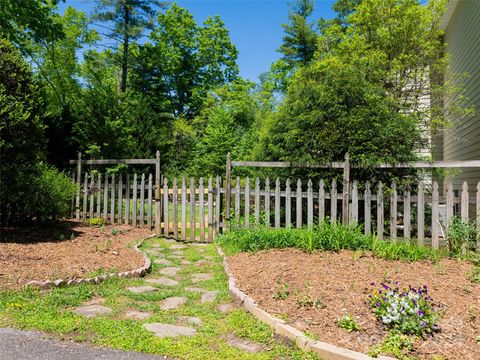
x=313, y=291
x=74, y=250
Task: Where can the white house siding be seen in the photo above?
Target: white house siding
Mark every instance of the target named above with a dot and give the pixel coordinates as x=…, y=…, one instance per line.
x=461, y=141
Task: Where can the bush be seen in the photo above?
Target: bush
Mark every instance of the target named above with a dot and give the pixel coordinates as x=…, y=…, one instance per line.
x=462, y=236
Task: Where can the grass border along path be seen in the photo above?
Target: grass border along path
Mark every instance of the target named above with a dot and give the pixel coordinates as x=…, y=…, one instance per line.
x=221, y=332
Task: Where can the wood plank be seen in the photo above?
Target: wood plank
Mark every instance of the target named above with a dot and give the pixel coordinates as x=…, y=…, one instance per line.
x=134, y=198
x=127, y=199
x=464, y=202
x=175, y=208
x=298, y=209
x=120, y=199
x=288, y=204
x=228, y=187
x=142, y=202
x=333, y=201
x=79, y=186
x=85, y=192
x=210, y=209
x=98, y=213
x=72, y=205
x=184, y=209
x=201, y=212
x=157, y=195
x=449, y=203
x=368, y=209
x=421, y=213
x=478, y=216
x=277, y=203
x=105, y=197
x=354, y=207
x=92, y=195
x=218, y=203
x=321, y=202
x=112, y=200
x=237, y=201
x=435, y=216
x=309, y=204
x=406, y=215
x=192, y=209
x=150, y=193
x=267, y=202
x=380, y=218
x=345, y=190
x=166, y=221
x=114, y=161
x=393, y=212
x=247, y=203
x=257, y=201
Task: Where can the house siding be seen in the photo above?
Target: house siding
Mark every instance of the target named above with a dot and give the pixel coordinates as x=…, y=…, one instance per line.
x=461, y=141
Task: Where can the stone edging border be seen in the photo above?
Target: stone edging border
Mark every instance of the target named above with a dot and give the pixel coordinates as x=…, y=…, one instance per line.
x=141, y=271
x=325, y=350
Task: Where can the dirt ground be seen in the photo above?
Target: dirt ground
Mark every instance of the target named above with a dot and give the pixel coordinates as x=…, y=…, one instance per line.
x=73, y=250
x=325, y=286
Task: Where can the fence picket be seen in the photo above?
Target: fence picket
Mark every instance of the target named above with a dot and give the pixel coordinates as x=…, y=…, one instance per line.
x=85, y=192
x=112, y=200
x=99, y=195
x=92, y=196
x=127, y=199
x=237, y=201
x=354, y=206
x=380, y=218
x=142, y=201
x=406, y=214
x=435, y=216
x=166, y=219
x=257, y=201
x=105, y=198
x=478, y=216
x=321, y=202
x=333, y=202
x=134, y=200
x=464, y=202
x=72, y=204
x=193, y=224
x=267, y=202
x=175, y=208
x=288, y=204
x=218, y=203
x=421, y=213
x=120, y=199
x=149, y=216
x=309, y=204
x=449, y=203
x=247, y=203
x=210, y=210
x=368, y=209
x=299, y=204
x=201, y=198
x=184, y=210
x=393, y=212
x=277, y=203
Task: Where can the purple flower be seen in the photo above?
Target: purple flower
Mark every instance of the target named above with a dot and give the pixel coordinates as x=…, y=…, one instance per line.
x=372, y=283
x=421, y=313
x=377, y=304
x=423, y=324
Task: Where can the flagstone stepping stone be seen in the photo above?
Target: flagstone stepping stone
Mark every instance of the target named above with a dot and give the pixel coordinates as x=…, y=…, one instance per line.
x=156, y=245
x=92, y=310
x=177, y=256
x=172, y=302
x=208, y=257
x=226, y=308
x=162, y=262
x=177, y=246
x=191, y=320
x=162, y=281
x=208, y=296
x=201, y=277
x=185, y=262
x=168, y=330
x=195, y=289
x=94, y=301
x=244, y=345
x=203, y=262
x=141, y=289
x=178, y=253
x=170, y=271
x=137, y=315
x=200, y=244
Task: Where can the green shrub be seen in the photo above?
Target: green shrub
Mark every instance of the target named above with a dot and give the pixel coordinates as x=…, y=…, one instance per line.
x=348, y=323
x=461, y=236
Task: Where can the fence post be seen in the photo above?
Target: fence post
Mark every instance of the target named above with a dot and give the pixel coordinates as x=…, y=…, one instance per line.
x=346, y=189
x=157, y=194
x=228, y=189
x=79, y=185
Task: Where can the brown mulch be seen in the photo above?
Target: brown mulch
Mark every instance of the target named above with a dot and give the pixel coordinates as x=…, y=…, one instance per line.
x=49, y=254
x=325, y=286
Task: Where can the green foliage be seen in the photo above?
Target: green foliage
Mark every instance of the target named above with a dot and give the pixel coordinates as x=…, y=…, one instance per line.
x=348, y=323
x=282, y=292
x=462, y=236
x=396, y=344
x=97, y=221
x=328, y=236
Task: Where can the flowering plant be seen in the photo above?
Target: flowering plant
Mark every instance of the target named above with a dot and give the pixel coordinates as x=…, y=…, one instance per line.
x=410, y=311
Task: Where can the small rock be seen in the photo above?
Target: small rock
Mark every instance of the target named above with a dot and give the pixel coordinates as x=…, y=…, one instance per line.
x=162, y=262
x=226, y=308
x=169, y=271
x=209, y=296
x=92, y=310
x=137, y=315
x=201, y=277
x=242, y=344
x=162, y=281
x=177, y=246
x=115, y=252
x=191, y=320
x=141, y=289
x=168, y=330
x=172, y=302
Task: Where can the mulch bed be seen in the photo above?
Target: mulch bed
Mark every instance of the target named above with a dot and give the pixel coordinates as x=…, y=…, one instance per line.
x=325, y=286
x=49, y=254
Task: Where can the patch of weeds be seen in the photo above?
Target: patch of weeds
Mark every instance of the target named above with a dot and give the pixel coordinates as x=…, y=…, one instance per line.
x=307, y=302
x=96, y=221
x=474, y=275
x=282, y=292
x=113, y=231
x=348, y=323
x=472, y=313
x=395, y=344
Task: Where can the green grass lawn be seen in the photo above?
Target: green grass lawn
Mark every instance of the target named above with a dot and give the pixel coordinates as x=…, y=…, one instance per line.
x=51, y=311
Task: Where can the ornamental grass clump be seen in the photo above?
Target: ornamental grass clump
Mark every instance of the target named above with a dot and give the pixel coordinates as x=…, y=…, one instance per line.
x=410, y=310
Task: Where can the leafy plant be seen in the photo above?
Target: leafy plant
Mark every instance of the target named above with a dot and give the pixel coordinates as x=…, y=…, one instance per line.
x=409, y=310
x=461, y=236
x=348, y=323
x=282, y=292
x=97, y=221
x=395, y=344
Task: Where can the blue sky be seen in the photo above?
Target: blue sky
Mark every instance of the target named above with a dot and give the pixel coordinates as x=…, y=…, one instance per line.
x=255, y=26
